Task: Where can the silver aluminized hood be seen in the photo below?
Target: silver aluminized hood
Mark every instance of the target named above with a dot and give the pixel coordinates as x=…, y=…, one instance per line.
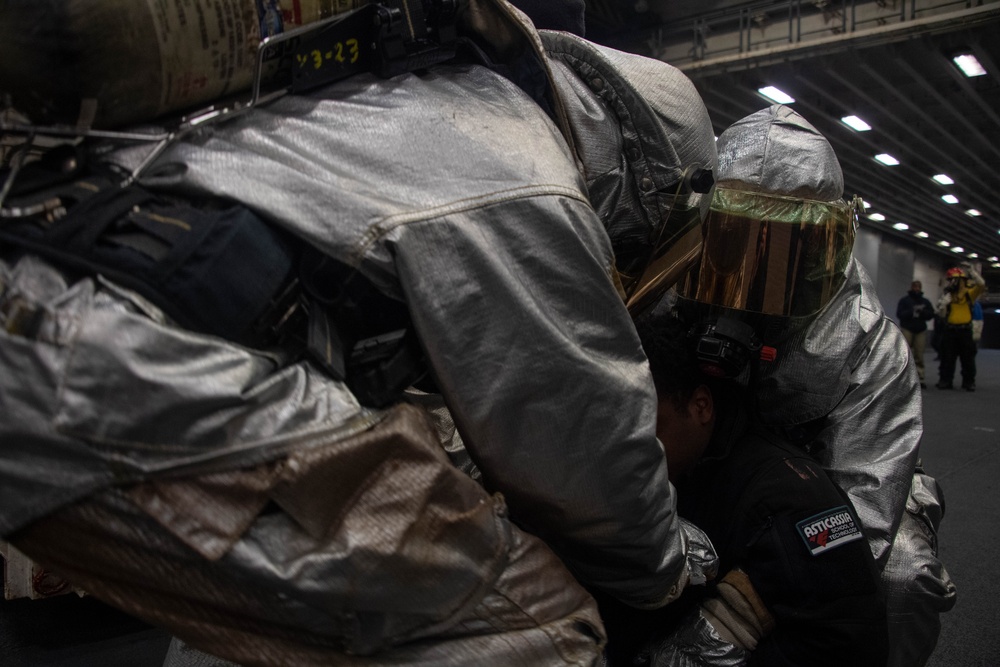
x=777, y=151
x=641, y=132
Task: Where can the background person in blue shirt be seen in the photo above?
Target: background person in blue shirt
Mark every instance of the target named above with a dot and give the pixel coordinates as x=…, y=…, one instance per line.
x=913, y=311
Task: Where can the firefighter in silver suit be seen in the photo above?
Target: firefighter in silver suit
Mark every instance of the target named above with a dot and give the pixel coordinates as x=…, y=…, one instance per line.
x=513, y=205
x=834, y=371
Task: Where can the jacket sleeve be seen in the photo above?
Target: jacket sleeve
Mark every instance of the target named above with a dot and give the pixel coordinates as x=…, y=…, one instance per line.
x=868, y=442
x=871, y=438
x=538, y=361
x=917, y=584
x=928, y=312
x=943, y=302
x=976, y=277
x=813, y=571
x=802, y=588
x=904, y=309
x=978, y=284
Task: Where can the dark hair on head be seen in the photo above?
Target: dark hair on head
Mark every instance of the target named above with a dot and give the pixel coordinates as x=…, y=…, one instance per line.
x=671, y=355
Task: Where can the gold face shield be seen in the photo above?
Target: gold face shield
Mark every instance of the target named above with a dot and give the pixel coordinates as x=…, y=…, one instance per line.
x=771, y=254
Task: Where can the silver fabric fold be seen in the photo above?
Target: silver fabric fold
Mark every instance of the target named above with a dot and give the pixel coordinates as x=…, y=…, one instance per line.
x=695, y=643
x=918, y=586
x=106, y=394
x=868, y=394
x=703, y=562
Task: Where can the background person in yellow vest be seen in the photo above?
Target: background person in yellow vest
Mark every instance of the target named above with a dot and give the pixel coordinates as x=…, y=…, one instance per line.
x=963, y=288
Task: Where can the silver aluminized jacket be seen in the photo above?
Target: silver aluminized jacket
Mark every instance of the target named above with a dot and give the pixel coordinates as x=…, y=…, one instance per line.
x=453, y=192
x=869, y=403
x=851, y=368
x=487, y=234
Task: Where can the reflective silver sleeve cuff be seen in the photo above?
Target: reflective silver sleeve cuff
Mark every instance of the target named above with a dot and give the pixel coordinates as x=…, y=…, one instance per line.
x=696, y=644
x=702, y=561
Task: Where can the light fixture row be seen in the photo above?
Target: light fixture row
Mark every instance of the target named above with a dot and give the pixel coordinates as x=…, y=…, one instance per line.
x=970, y=66
x=902, y=227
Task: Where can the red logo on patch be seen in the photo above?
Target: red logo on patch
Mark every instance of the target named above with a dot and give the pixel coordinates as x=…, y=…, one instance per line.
x=829, y=529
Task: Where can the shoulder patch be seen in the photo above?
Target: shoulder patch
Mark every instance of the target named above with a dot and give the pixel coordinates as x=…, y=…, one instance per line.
x=827, y=530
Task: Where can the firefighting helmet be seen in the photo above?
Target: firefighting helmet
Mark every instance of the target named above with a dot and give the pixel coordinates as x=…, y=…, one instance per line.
x=955, y=272
x=647, y=153
x=778, y=236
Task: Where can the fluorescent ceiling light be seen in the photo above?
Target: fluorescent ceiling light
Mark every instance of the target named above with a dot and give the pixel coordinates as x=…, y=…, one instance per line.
x=866, y=204
x=886, y=159
x=922, y=235
x=973, y=255
x=877, y=217
x=949, y=199
x=994, y=258
x=943, y=179
x=779, y=96
x=973, y=212
x=945, y=244
x=969, y=65
x=855, y=123
x=901, y=226
x=958, y=248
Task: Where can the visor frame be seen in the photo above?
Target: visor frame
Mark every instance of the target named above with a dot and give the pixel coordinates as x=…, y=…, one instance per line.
x=674, y=251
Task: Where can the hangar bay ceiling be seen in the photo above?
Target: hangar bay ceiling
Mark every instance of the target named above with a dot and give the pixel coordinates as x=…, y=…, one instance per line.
x=888, y=63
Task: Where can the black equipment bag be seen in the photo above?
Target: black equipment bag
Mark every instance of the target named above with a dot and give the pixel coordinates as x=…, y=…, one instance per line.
x=216, y=267
x=213, y=267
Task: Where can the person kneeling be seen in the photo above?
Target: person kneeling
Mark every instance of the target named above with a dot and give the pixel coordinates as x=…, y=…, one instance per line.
x=797, y=582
